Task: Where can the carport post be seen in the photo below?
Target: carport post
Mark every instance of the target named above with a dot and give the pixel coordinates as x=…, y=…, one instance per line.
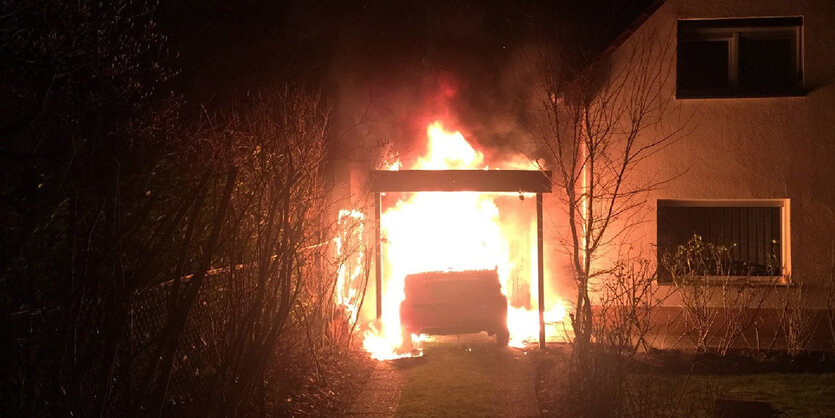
x=378, y=255
x=540, y=276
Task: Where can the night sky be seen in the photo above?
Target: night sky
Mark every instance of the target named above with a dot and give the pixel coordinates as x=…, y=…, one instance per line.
x=391, y=67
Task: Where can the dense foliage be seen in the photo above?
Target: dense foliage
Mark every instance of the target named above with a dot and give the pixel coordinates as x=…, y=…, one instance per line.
x=149, y=263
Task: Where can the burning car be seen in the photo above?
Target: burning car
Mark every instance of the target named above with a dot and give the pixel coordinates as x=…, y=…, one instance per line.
x=455, y=302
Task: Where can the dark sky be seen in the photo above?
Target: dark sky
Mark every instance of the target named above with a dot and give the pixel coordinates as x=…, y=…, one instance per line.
x=245, y=42
x=400, y=62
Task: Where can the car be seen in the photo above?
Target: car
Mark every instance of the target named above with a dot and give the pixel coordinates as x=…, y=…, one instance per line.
x=455, y=302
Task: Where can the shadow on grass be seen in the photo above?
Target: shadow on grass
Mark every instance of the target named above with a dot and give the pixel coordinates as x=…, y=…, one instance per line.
x=694, y=385
x=792, y=394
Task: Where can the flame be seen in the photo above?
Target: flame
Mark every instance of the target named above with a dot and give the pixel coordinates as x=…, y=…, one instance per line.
x=448, y=151
x=524, y=325
x=441, y=231
x=350, y=256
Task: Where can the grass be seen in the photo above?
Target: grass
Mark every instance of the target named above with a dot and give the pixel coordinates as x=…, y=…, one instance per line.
x=458, y=379
x=792, y=394
x=453, y=380
x=680, y=393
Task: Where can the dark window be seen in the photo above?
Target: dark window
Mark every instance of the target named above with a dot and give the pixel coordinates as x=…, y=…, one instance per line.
x=703, y=65
x=739, y=57
x=766, y=64
x=751, y=234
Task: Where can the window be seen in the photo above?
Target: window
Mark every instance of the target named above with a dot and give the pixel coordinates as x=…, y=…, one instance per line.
x=755, y=233
x=739, y=57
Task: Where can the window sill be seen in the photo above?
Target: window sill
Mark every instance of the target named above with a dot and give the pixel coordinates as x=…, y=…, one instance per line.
x=729, y=95
x=753, y=281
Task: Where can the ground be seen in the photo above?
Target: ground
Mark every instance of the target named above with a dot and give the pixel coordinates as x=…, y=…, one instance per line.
x=300, y=392
x=457, y=376
x=470, y=376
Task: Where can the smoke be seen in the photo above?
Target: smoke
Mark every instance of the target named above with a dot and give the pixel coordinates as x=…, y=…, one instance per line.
x=465, y=67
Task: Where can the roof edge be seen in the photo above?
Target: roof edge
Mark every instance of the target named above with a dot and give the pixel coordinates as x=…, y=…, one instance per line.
x=619, y=40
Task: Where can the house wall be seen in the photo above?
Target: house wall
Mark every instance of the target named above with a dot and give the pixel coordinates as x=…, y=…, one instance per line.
x=752, y=148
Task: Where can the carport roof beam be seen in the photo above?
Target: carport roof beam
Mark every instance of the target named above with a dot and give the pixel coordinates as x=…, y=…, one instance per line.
x=487, y=181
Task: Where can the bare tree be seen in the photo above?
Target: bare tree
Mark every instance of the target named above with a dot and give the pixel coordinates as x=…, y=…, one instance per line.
x=597, y=129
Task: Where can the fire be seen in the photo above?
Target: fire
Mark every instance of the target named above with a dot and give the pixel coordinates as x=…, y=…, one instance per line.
x=441, y=231
x=351, y=262
x=448, y=151
x=524, y=324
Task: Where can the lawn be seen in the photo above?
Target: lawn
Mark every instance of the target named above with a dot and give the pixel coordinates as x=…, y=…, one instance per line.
x=692, y=384
x=456, y=379
x=453, y=381
x=792, y=394
x=804, y=395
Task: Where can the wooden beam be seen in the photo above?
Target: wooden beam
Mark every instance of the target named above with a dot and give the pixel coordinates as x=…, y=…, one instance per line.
x=540, y=270
x=378, y=254
x=528, y=181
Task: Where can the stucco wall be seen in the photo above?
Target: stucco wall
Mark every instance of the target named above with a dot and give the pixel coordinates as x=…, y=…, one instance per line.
x=754, y=148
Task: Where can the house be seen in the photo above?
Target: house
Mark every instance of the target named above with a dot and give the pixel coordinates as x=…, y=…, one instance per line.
x=750, y=87
x=755, y=81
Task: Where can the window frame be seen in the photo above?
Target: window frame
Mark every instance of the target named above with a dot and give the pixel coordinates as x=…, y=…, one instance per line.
x=731, y=30
x=785, y=236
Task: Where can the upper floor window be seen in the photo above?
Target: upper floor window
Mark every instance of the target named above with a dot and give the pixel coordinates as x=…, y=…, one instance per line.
x=739, y=57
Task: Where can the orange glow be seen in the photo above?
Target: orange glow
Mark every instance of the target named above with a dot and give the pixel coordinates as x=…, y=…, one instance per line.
x=442, y=231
